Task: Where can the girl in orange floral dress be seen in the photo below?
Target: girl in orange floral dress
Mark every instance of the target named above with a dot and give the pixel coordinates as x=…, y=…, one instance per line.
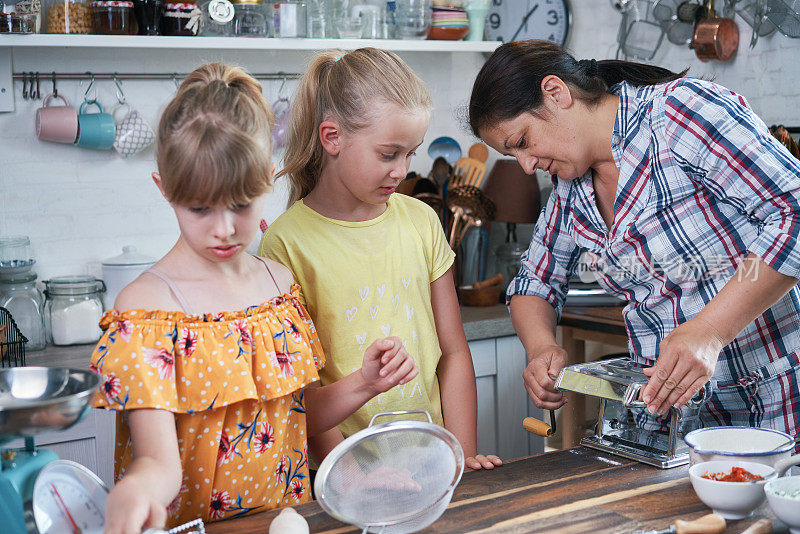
x=209, y=357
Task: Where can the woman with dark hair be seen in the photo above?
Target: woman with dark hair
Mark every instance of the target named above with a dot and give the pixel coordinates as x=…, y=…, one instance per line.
x=683, y=204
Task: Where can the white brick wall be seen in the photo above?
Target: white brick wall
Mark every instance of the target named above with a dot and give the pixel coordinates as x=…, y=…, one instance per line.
x=81, y=206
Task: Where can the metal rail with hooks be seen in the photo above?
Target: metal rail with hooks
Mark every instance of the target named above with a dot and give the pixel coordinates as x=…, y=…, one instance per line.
x=140, y=75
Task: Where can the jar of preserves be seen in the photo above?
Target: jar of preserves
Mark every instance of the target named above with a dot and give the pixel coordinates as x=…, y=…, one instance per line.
x=114, y=17
x=182, y=19
x=73, y=309
x=217, y=18
x=69, y=16
x=19, y=295
x=250, y=19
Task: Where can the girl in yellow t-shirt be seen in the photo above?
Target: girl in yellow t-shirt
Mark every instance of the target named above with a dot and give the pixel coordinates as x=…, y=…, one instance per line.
x=209, y=357
x=371, y=263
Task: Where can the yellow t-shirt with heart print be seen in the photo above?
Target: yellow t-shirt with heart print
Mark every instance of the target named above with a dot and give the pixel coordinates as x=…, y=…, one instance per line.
x=367, y=280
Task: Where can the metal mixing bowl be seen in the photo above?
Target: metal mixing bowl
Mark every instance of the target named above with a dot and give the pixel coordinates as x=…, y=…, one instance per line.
x=35, y=399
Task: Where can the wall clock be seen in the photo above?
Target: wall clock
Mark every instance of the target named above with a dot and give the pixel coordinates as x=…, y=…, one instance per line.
x=519, y=20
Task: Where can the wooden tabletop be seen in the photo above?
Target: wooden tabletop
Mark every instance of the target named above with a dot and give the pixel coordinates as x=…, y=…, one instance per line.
x=575, y=490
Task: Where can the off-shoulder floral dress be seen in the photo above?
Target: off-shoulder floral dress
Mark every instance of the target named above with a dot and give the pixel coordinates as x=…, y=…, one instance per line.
x=234, y=382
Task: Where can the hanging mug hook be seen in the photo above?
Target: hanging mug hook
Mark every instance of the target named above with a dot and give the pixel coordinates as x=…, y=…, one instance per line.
x=55, y=90
x=175, y=80
x=25, y=86
x=283, y=84
x=38, y=88
x=120, y=93
x=89, y=88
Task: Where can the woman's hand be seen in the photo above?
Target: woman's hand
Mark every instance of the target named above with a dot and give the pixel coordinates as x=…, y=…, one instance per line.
x=387, y=364
x=130, y=509
x=687, y=358
x=479, y=461
x=540, y=377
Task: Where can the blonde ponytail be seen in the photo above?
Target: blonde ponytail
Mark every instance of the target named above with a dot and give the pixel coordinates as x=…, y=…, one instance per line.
x=214, y=143
x=341, y=86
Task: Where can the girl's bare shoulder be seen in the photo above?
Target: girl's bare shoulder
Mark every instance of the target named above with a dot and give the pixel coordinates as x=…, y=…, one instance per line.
x=147, y=292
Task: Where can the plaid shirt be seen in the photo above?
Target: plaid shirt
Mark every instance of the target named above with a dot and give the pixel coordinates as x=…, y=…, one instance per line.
x=701, y=183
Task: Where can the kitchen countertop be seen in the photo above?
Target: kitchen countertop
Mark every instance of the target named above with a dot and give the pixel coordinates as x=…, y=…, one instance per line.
x=480, y=322
x=574, y=490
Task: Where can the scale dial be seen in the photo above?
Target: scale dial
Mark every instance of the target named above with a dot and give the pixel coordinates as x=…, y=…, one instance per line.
x=66, y=495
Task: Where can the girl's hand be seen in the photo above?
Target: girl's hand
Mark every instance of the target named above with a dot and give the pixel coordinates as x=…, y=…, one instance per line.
x=130, y=509
x=387, y=364
x=687, y=358
x=480, y=461
x=540, y=377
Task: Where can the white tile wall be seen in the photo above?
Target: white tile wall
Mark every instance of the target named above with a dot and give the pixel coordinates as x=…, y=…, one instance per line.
x=81, y=206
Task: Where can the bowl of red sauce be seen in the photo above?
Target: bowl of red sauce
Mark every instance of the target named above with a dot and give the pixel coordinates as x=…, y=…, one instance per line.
x=732, y=488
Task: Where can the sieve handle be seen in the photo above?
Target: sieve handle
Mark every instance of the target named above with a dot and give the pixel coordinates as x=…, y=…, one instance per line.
x=400, y=412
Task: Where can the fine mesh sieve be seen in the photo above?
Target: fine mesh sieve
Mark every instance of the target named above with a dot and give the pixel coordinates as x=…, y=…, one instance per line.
x=391, y=478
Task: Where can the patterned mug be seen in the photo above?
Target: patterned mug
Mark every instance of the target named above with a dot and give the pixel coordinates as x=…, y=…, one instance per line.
x=133, y=132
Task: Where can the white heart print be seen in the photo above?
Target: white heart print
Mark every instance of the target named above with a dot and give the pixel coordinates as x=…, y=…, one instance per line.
x=386, y=329
x=361, y=339
x=363, y=293
x=351, y=313
x=409, y=312
x=406, y=281
x=414, y=336
x=395, y=301
x=373, y=311
x=381, y=289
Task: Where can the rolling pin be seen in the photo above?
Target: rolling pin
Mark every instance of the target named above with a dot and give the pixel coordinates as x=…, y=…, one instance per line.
x=496, y=279
x=708, y=524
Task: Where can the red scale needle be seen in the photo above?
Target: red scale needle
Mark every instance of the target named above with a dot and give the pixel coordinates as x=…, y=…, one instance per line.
x=75, y=528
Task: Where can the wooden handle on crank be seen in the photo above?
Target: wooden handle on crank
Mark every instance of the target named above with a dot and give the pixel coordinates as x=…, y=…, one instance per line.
x=708, y=524
x=496, y=279
x=540, y=428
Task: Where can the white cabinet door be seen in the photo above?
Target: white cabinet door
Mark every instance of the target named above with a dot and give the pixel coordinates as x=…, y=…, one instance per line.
x=502, y=400
x=90, y=442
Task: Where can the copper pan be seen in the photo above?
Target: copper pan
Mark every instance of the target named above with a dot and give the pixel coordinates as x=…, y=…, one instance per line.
x=715, y=37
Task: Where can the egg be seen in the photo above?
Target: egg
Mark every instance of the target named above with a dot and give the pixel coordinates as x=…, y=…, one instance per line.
x=288, y=522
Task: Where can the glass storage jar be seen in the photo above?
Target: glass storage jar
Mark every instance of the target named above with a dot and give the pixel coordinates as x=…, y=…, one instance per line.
x=250, y=19
x=73, y=309
x=289, y=18
x=69, y=16
x=19, y=295
x=22, y=16
x=15, y=254
x=114, y=17
x=182, y=19
x=217, y=18
x=149, y=15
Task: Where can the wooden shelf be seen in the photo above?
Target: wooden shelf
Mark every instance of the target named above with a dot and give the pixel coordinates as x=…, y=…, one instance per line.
x=239, y=43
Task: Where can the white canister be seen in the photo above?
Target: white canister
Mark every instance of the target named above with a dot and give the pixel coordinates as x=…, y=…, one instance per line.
x=121, y=270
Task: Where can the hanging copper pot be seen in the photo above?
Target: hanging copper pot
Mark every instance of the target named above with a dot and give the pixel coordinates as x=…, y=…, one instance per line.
x=714, y=37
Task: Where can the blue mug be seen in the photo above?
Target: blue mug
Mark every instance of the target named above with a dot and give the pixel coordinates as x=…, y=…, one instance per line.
x=95, y=130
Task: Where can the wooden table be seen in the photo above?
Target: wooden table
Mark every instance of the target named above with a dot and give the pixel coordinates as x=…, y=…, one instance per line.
x=579, y=325
x=574, y=490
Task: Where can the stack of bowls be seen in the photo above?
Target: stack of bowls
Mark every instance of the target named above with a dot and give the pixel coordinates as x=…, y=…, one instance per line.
x=448, y=23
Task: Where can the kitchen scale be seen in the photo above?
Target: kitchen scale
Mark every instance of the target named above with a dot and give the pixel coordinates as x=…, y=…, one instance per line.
x=40, y=494
x=618, y=383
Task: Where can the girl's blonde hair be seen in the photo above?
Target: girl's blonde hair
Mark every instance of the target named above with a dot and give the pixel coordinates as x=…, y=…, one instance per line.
x=343, y=87
x=214, y=142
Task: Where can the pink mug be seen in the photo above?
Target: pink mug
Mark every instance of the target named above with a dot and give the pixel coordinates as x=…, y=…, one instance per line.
x=56, y=123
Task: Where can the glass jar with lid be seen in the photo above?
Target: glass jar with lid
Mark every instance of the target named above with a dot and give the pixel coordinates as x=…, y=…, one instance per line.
x=217, y=18
x=182, y=19
x=19, y=295
x=15, y=254
x=69, y=16
x=114, y=17
x=250, y=19
x=73, y=309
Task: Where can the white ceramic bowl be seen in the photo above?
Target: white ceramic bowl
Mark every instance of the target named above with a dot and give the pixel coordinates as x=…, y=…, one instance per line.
x=731, y=500
x=759, y=445
x=786, y=508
